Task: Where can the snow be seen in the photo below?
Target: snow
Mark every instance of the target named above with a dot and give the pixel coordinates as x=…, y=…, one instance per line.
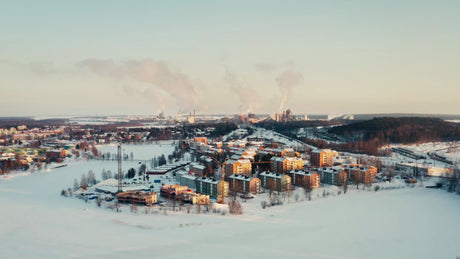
x=141, y=151
x=402, y=223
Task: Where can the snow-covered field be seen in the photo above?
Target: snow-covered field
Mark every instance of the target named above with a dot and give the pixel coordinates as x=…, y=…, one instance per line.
x=141, y=151
x=451, y=150
x=36, y=222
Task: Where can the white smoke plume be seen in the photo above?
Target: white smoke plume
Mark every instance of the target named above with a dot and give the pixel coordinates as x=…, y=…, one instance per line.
x=286, y=82
x=249, y=98
x=155, y=73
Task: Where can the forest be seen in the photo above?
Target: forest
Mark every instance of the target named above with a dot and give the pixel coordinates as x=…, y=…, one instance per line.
x=403, y=130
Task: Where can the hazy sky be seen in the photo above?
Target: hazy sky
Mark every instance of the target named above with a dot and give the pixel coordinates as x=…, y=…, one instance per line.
x=142, y=57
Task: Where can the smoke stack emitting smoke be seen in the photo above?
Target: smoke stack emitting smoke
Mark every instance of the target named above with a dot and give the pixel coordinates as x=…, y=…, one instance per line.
x=163, y=83
x=286, y=81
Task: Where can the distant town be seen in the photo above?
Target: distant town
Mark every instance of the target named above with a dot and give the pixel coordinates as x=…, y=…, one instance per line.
x=217, y=160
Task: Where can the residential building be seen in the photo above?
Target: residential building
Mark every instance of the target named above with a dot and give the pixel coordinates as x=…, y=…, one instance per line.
x=275, y=182
x=333, y=175
x=244, y=184
x=188, y=180
x=197, y=168
x=322, y=158
x=282, y=165
x=303, y=178
x=211, y=187
x=238, y=167
x=361, y=174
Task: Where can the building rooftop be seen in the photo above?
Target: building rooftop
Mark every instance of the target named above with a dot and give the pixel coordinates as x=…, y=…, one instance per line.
x=273, y=175
x=241, y=177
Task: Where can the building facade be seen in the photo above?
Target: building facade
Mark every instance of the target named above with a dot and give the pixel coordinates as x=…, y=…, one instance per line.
x=238, y=167
x=306, y=179
x=211, y=187
x=244, y=184
x=282, y=165
x=361, y=174
x=333, y=175
x=275, y=182
x=322, y=158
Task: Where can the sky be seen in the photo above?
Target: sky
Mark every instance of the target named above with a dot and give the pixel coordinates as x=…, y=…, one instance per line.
x=145, y=57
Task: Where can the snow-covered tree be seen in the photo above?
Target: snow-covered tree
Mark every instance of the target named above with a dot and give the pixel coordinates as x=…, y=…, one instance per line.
x=75, y=185
x=84, y=181
x=91, y=178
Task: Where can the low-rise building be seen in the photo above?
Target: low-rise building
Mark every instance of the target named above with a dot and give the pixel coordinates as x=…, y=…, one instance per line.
x=306, y=179
x=238, y=167
x=56, y=155
x=146, y=198
x=244, y=184
x=282, y=165
x=361, y=174
x=333, y=175
x=211, y=187
x=173, y=190
x=197, y=168
x=195, y=198
x=188, y=180
x=275, y=182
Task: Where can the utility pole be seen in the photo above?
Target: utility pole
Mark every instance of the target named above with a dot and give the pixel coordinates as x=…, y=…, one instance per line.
x=120, y=171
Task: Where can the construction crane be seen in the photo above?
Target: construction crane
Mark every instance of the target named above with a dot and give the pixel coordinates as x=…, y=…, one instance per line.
x=120, y=170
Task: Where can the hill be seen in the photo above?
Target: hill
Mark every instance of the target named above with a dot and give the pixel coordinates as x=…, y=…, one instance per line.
x=400, y=130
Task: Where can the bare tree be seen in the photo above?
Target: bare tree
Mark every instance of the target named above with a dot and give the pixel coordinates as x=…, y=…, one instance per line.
x=235, y=207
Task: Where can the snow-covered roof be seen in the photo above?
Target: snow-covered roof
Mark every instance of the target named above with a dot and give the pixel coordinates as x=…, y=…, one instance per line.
x=200, y=167
x=333, y=170
x=272, y=175
x=302, y=172
x=241, y=177
x=244, y=161
x=208, y=180
x=190, y=176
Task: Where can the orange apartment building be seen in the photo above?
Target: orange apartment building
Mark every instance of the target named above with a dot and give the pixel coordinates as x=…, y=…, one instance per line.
x=283, y=165
x=361, y=174
x=322, y=158
x=238, y=167
x=302, y=179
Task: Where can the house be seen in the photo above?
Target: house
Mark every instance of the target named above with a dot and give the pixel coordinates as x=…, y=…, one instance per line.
x=308, y=179
x=211, y=187
x=55, y=155
x=244, y=184
x=333, y=175
x=322, y=158
x=275, y=182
